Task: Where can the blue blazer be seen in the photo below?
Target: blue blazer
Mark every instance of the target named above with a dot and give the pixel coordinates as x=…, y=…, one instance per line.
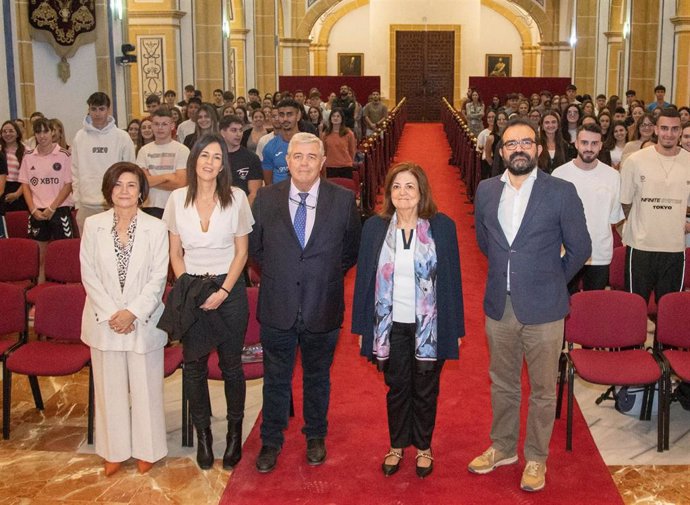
x=449, y=306
x=538, y=274
x=309, y=280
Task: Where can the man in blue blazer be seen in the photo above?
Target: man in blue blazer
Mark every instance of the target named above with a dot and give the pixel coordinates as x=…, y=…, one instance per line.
x=305, y=238
x=523, y=219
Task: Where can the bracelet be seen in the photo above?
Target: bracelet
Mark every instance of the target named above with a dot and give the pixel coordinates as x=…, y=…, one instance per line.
x=223, y=289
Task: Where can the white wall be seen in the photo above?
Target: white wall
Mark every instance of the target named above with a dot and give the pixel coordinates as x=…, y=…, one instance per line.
x=65, y=101
x=508, y=42
x=349, y=35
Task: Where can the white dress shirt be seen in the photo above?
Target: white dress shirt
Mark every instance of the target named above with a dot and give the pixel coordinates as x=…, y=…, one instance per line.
x=311, y=201
x=512, y=206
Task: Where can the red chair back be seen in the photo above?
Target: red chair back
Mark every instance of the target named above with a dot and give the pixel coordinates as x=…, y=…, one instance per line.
x=17, y=223
x=608, y=319
x=62, y=261
x=672, y=328
x=344, y=182
x=18, y=260
x=13, y=318
x=617, y=269
x=58, y=312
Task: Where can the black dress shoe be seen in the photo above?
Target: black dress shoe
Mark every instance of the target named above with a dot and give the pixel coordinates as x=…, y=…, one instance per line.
x=267, y=459
x=316, y=451
x=389, y=470
x=425, y=471
x=204, y=451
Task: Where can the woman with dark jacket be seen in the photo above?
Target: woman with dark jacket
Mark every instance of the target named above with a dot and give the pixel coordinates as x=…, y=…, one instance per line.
x=408, y=308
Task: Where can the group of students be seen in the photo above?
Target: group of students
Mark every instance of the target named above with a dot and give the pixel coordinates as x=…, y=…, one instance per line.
x=557, y=119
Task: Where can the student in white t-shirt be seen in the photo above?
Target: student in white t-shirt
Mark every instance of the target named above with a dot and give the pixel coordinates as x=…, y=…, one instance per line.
x=164, y=161
x=655, y=194
x=598, y=186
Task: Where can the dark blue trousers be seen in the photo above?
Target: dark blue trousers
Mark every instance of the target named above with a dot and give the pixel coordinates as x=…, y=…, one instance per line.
x=280, y=350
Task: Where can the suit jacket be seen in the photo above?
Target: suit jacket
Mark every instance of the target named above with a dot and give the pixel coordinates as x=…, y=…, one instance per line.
x=449, y=306
x=538, y=274
x=309, y=280
x=142, y=295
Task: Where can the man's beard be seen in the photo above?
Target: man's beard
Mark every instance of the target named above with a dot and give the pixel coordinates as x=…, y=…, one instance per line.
x=587, y=157
x=520, y=163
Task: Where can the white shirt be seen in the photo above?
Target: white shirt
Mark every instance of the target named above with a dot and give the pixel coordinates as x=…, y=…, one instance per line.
x=186, y=127
x=404, y=286
x=162, y=159
x=512, y=206
x=262, y=143
x=599, y=190
x=211, y=251
x=310, y=202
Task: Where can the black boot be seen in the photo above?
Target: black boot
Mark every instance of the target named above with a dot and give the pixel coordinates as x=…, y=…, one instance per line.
x=204, y=451
x=233, y=452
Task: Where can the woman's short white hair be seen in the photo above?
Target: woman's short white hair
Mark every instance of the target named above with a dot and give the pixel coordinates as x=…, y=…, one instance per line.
x=305, y=138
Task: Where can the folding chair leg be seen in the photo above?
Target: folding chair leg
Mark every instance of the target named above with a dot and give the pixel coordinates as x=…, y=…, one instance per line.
x=569, y=421
x=89, y=426
x=36, y=391
x=667, y=408
x=6, y=401
x=661, y=415
x=562, y=362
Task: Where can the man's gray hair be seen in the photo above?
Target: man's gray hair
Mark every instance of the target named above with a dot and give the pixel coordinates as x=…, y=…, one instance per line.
x=305, y=138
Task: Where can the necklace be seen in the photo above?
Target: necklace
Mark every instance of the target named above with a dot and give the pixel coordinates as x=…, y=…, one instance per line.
x=667, y=169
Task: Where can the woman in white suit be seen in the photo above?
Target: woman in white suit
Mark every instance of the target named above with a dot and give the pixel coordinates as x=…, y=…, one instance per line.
x=124, y=266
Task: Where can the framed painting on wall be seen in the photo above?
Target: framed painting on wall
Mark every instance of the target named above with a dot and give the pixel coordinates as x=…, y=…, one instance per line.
x=499, y=65
x=350, y=63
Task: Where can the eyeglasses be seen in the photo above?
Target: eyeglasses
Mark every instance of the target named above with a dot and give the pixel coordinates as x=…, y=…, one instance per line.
x=511, y=145
x=646, y=125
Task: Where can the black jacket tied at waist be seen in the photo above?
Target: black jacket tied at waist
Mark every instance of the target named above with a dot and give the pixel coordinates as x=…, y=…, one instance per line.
x=200, y=331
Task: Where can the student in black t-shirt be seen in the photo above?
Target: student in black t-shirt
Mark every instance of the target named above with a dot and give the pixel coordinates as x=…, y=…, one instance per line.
x=244, y=164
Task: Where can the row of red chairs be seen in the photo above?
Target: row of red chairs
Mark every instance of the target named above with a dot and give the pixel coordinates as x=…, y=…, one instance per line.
x=463, y=146
x=605, y=334
x=18, y=223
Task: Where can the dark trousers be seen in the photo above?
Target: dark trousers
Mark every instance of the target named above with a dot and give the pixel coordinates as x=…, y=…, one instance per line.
x=647, y=271
x=593, y=277
x=412, y=392
x=280, y=350
x=235, y=312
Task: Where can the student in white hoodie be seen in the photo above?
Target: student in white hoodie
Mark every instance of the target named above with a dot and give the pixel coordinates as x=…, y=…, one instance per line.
x=96, y=147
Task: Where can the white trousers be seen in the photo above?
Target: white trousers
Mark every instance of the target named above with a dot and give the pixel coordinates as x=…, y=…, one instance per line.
x=130, y=416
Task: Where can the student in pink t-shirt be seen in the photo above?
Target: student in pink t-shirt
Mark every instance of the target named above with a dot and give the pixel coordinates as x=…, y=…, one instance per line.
x=46, y=178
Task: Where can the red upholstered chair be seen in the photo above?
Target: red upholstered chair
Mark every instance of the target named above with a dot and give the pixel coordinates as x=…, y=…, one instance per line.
x=346, y=183
x=13, y=320
x=172, y=360
x=17, y=223
x=611, y=328
x=19, y=261
x=58, y=320
x=61, y=266
x=673, y=345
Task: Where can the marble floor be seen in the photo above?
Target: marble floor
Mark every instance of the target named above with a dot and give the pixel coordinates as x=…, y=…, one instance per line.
x=47, y=460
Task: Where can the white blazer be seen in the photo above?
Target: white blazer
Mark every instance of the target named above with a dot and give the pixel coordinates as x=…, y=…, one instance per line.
x=144, y=286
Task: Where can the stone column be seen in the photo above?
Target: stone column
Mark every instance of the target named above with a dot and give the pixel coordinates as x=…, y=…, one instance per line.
x=208, y=47
x=614, y=54
x=530, y=55
x=320, y=52
x=585, y=50
x=644, y=35
x=551, y=55
x=25, y=60
x=265, y=45
x=681, y=24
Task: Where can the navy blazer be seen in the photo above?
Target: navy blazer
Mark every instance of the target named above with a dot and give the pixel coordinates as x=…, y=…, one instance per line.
x=539, y=276
x=449, y=305
x=309, y=280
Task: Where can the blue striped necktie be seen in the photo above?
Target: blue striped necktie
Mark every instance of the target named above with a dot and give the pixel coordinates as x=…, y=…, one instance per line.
x=300, y=222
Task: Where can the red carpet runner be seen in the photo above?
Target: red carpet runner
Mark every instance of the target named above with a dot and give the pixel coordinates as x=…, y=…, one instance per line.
x=358, y=436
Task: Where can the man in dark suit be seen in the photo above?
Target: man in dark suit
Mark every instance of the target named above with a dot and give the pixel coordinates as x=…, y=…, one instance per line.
x=522, y=219
x=305, y=238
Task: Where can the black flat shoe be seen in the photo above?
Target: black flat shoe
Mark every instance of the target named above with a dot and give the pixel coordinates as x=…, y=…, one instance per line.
x=267, y=459
x=389, y=470
x=316, y=451
x=425, y=471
